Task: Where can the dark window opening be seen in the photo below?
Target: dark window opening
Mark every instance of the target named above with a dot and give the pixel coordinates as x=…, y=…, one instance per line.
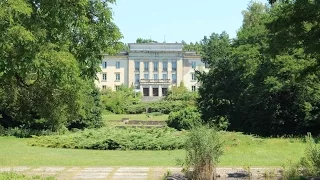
x=155, y=91
x=145, y=91
x=164, y=91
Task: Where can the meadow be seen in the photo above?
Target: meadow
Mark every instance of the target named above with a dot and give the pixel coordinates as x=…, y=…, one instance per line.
x=239, y=151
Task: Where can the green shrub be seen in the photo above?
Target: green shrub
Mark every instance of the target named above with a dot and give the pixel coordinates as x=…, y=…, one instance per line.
x=309, y=165
x=184, y=119
x=119, y=101
x=163, y=107
x=181, y=93
x=203, y=150
x=115, y=139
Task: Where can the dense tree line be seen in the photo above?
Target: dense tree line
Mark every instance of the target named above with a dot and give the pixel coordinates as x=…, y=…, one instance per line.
x=265, y=81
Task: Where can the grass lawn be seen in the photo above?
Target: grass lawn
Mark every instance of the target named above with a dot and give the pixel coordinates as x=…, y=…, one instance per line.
x=144, y=117
x=268, y=153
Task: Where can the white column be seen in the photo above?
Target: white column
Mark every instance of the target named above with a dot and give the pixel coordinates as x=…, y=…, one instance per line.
x=160, y=91
x=150, y=91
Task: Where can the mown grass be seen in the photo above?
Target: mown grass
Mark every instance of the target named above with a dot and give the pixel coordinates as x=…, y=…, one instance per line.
x=239, y=151
x=142, y=117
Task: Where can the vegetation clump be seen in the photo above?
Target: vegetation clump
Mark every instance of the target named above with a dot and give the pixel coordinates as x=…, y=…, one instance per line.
x=115, y=139
x=309, y=164
x=184, y=118
x=203, y=147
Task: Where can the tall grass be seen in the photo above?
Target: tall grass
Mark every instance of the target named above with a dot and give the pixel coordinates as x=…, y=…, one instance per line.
x=203, y=149
x=309, y=164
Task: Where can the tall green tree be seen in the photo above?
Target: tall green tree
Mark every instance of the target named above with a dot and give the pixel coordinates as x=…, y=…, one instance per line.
x=215, y=48
x=50, y=52
x=259, y=92
x=296, y=25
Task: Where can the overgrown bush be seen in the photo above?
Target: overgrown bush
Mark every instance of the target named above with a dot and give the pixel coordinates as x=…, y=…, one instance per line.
x=115, y=139
x=79, y=110
x=126, y=101
x=309, y=164
x=119, y=101
x=163, y=107
x=184, y=119
x=181, y=93
x=203, y=149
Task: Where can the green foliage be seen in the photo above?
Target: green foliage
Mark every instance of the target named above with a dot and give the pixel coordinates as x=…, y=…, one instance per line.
x=184, y=118
x=309, y=165
x=119, y=101
x=15, y=176
x=196, y=47
x=295, y=25
x=253, y=88
x=50, y=53
x=203, y=150
x=115, y=139
x=181, y=93
x=126, y=101
x=215, y=48
x=141, y=41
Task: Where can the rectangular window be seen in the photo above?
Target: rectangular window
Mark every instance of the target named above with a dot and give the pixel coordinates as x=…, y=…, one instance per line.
x=155, y=66
x=117, y=88
x=155, y=76
x=145, y=91
x=165, y=66
x=164, y=76
x=193, y=64
x=174, y=65
x=104, y=76
x=193, y=88
x=104, y=87
x=193, y=77
x=137, y=66
x=104, y=64
x=137, y=78
x=146, y=76
x=146, y=66
x=118, y=64
x=117, y=76
x=155, y=91
x=164, y=91
x=174, y=78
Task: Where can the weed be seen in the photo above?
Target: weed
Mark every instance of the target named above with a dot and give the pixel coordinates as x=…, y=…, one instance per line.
x=203, y=150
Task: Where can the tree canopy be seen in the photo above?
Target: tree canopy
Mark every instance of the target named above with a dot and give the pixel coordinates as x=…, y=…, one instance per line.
x=50, y=53
x=259, y=83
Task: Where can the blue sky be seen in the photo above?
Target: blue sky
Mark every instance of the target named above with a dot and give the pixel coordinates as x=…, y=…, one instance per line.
x=176, y=20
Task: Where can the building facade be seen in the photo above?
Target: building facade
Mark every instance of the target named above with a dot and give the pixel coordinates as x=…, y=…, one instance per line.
x=151, y=68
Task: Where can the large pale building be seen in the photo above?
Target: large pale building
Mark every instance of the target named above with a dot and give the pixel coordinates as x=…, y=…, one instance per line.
x=151, y=68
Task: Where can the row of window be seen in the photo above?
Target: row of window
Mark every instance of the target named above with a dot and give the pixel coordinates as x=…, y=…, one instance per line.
x=156, y=76
x=105, y=64
x=155, y=65
x=146, y=76
x=164, y=90
x=104, y=76
x=105, y=87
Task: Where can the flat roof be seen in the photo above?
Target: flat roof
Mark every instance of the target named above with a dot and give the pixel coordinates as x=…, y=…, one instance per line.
x=164, y=47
